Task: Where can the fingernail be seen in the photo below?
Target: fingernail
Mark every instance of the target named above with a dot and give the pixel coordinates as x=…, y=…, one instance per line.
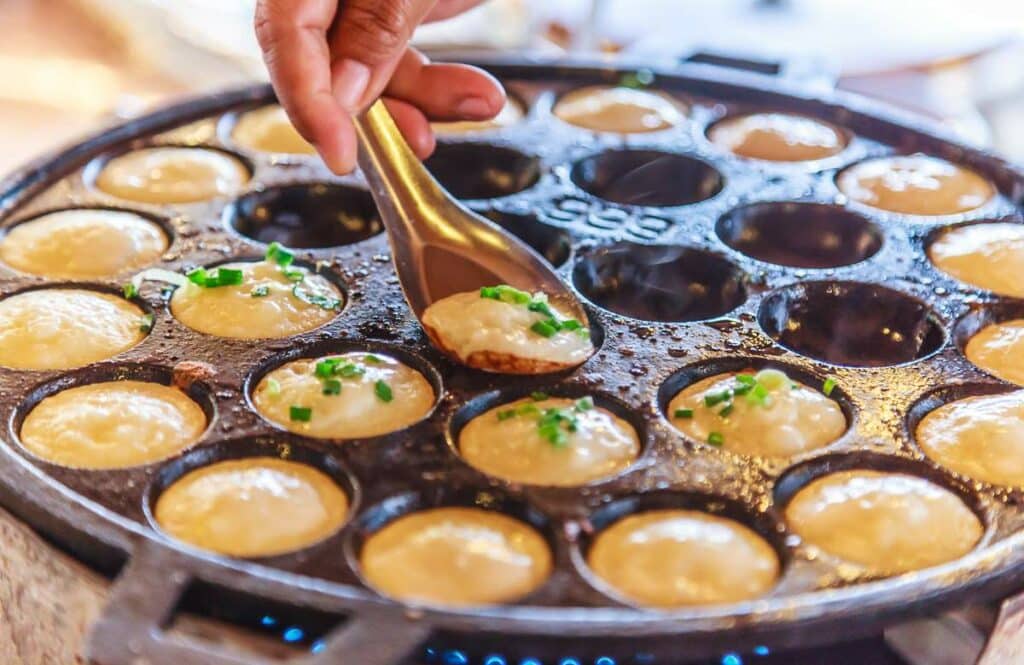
x=474, y=108
x=351, y=79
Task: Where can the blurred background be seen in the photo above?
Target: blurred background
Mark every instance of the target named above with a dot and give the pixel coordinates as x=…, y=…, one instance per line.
x=71, y=66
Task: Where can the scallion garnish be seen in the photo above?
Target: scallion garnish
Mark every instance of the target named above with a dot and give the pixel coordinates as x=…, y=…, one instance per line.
x=505, y=414
x=584, y=404
x=683, y=413
x=716, y=439
x=229, y=276
x=332, y=387
x=746, y=379
x=717, y=398
x=370, y=358
x=279, y=254
x=539, y=396
x=323, y=302
x=273, y=387
x=828, y=386
x=544, y=328
x=726, y=410
x=130, y=290
x=301, y=414
x=197, y=276
x=210, y=279
x=147, y=323
x=261, y=291
x=294, y=274
x=383, y=391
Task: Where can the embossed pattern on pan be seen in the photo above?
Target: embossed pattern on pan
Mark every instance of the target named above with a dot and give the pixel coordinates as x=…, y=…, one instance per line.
x=623, y=251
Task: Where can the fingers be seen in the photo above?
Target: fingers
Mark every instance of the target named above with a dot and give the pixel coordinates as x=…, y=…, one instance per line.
x=293, y=37
x=446, y=91
x=366, y=43
x=449, y=8
x=414, y=126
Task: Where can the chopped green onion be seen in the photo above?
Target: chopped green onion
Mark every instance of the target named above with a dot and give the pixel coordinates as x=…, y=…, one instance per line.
x=302, y=414
x=746, y=379
x=130, y=290
x=197, y=276
x=541, y=307
x=743, y=390
x=229, y=276
x=539, y=396
x=261, y=291
x=828, y=387
x=349, y=370
x=505, y=414
x=332, y=387
x=147, y=323
x=370, y=358
x=293, y=274
x=758, y=395
x=489, y=292
x=325, y=367
x=726, y=410
x=383, y=391
x=544, y=328
x=584, y=404
x=717, y=398
x=639, y=79
x=772, y=379
x=279, y=254
x=527, y=409
x=323, y=302
x=273, y=387
x=571, y=324
x=716, y=439
x=683, y=413
x=512, y=295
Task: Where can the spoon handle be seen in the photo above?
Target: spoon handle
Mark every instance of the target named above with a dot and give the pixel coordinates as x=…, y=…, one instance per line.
x=402, y=187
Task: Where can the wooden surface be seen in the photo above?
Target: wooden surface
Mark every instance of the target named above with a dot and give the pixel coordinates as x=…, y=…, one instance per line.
x=47, y=601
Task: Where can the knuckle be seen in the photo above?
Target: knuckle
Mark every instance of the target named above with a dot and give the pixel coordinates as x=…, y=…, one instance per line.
x=382, y=27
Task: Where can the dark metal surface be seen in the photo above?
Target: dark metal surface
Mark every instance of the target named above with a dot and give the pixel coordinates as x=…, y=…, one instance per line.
x=621, y=258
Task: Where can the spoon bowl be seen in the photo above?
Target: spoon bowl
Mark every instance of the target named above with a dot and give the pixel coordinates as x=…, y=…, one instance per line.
x=441, y=248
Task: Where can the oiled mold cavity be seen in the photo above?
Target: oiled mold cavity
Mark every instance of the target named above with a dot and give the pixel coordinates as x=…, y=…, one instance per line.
x=307, y=216
x=802, y=235
x=251, y=498
x=551, y=243
x=992, y=339
x=347, y=393
x=660, y=282
x=460, y=548
x=647, y=178
x=674, y=550
x=988, y=256
x=851, y=323
x=565, y=438
x=63, y=328
x=748, y=406
x=118, y=417
x=482, y=171
x=85, y=243
x=976, y=430
x=886, y=516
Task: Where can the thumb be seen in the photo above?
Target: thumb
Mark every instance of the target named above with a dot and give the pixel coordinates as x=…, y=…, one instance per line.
x=367, y=41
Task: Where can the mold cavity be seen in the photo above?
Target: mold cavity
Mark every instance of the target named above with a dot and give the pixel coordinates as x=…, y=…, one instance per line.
x=659, y=282
x=647, y=177
x=850, y=323
x=481, y=171
x=551, y=243
x=307, y=216
x=802, y=235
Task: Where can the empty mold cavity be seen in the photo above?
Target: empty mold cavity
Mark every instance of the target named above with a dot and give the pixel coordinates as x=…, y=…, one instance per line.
x=482, y=171
x=647, y=178
x=851, y=323
x=660, y=282
x=553, y=244
x=307, y=216
x=802, y=235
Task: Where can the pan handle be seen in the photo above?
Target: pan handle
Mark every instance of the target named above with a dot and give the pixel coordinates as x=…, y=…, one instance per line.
x=143, y=600
x=813, y=71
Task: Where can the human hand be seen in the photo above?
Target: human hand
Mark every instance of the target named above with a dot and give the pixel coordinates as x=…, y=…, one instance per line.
x=330, y=59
